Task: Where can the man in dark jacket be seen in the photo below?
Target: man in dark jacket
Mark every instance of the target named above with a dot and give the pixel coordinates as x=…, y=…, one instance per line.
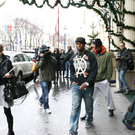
x=83, y=71
x=123, y=56
x=46, y=75
x=69, y=54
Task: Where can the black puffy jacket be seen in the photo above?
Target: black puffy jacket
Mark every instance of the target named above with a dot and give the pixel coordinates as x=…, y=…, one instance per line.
x=5, y=67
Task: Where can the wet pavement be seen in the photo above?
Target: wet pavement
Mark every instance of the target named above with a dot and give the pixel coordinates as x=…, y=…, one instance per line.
x=31, y=119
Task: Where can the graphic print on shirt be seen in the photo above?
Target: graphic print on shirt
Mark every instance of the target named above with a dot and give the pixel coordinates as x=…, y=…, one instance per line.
x=81, y=63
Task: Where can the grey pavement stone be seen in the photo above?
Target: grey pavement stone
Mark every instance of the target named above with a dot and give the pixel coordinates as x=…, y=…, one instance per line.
x=30, y=119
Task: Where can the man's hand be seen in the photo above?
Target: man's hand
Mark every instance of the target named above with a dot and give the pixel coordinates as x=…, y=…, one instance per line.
x=83, y=86
x=121, y=57
x=8, y=75
x=74, y=83
x=41, y=55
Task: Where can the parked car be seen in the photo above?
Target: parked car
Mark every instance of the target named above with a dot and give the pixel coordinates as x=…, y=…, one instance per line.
x=21, y=62
x=29, y=53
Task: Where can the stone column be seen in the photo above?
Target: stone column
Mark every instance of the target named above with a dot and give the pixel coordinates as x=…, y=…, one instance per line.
x=129, y=21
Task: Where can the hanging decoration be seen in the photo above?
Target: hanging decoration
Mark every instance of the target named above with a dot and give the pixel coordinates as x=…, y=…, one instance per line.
x=116, y=7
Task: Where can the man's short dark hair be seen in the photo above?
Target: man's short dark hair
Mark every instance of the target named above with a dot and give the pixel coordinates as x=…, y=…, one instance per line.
x=1, y=48
x=122, y=43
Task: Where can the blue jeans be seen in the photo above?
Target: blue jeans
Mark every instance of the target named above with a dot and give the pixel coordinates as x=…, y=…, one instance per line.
x=44, y=99
x=67, y=67
x=121, y=78
x=77, y=96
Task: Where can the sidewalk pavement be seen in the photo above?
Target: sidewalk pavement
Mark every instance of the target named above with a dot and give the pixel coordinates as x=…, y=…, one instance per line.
x=30, y=119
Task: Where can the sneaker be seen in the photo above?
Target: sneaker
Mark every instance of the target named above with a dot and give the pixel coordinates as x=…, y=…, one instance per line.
x=41, y=104
x=88, y=125
x=48, y=110
x=72, y=134
x=111, y=113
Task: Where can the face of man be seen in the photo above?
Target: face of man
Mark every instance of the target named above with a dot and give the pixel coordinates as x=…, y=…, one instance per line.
x=98, y=49
x=122, y=46
x=80, y=46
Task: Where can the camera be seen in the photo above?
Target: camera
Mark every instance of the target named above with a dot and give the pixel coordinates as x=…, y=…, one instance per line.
x=119, y=56
x=45, y=50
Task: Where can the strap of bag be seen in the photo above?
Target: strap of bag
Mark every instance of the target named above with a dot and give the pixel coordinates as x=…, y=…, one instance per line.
x=21, y=101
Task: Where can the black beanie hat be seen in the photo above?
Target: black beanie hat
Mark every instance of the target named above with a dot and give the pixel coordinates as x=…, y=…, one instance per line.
x=80, y=39
x=98, y=42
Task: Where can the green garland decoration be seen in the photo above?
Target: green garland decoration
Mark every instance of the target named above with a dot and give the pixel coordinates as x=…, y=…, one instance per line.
x=84, y=3
x=124, y=38
x=129, y=27
x=128, y=12
x=115, y=44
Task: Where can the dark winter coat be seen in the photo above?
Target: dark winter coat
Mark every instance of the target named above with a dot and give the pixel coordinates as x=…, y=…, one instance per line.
x=123, y=63
x=63, y=66
x=57, y=66
x=46, y=68
x=69, y=54
x=5, y=67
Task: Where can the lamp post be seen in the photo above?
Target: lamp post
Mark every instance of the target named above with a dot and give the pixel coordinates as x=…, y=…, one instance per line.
x=65, y=38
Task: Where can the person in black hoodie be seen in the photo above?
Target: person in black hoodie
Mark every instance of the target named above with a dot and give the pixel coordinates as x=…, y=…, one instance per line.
x=5, y=67
x=83, y=71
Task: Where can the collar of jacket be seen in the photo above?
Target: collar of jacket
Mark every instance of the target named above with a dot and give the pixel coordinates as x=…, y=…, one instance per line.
x=3, y=57
x=103, y=50
x=125, y=49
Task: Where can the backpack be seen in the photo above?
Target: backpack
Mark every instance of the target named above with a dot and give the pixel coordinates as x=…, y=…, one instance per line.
x=129, y=117
x=130, y=62
x=131, y=65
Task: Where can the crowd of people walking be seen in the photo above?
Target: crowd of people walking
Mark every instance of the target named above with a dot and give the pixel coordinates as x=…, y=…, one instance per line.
x=88, y=76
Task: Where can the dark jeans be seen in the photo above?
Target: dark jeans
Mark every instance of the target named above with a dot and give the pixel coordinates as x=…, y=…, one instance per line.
x=46, y=86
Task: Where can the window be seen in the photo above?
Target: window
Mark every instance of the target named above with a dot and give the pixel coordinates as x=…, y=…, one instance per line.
x=25, y=57
x=18, y=58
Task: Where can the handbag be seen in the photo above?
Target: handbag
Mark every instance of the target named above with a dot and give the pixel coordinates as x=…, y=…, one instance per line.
x=34, y=66
x=131, y=65
x=15, y=90
x=8, y=97
x=19, y=89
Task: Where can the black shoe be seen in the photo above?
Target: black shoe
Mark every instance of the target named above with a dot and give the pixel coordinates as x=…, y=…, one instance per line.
x=83, y=118
x=55, y=83
x=111, y=113
x=11, y=133
x=118, y=91
x=127, y=92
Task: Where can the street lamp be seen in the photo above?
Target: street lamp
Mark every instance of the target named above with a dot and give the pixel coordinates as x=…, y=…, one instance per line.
x=65, y=38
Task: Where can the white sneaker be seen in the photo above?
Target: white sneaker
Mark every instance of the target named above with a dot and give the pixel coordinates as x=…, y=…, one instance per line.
x=41, y=105
x=48, y=110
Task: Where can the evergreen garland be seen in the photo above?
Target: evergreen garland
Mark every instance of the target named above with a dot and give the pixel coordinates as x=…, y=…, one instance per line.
x=84, y=3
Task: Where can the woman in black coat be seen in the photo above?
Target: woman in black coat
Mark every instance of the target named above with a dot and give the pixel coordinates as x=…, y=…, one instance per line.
x=5, y=67
x=57, y=67
x=62, y=57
